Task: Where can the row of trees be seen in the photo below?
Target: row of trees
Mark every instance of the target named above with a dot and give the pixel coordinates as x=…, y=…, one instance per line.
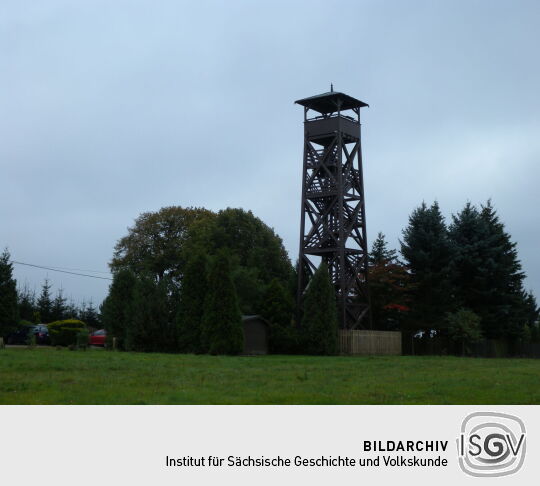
x=23, y=305
x=146, y=314
x=469, y=265
x=183, y=277
x=46, y=308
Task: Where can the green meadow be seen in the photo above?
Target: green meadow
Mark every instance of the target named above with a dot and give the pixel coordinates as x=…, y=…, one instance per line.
x=51, y=376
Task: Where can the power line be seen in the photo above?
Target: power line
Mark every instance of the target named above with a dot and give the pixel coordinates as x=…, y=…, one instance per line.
x=80, y=270
x=61, y=271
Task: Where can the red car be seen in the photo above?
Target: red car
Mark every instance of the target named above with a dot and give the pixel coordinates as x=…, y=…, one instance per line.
x=97, y=338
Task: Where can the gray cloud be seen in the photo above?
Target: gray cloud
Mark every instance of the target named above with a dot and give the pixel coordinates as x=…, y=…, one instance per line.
x=109, y=109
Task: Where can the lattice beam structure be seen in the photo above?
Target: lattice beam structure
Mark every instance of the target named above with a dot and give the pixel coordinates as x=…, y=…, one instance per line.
x=333, y=216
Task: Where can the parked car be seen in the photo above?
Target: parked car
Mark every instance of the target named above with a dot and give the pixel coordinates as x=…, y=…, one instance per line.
x=23, y=334
x=41, y=331
x=97, y=338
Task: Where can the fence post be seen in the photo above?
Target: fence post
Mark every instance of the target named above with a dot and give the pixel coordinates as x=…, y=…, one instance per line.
x=114, y=343
x=2, y=345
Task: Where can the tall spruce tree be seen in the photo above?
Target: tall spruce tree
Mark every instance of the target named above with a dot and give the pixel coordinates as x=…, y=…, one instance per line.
x=487, y=273
x=319, y=321
x=9, y=312
x=428, y=253
x=44, y=303
x=504, y=314
x=193, y=292
x=118, y=307
x=468, y=233
x=222, y=331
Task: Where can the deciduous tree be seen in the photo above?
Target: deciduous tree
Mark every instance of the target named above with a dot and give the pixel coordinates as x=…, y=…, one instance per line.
x=464, y=328
x=155, y=244
x=256, y=253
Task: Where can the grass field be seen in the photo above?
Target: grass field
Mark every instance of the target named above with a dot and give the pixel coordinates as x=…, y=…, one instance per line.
x=50, y=376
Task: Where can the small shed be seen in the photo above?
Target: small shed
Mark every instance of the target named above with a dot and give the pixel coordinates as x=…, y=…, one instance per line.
x=256, y=332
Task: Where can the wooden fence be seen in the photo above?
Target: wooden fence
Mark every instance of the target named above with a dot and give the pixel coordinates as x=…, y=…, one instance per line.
x=369, y=342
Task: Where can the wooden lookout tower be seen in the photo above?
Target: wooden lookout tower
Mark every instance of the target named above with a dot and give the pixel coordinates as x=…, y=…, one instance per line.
x=333, y=217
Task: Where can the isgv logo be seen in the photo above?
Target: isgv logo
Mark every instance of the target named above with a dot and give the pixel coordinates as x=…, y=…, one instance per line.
x=491, y=444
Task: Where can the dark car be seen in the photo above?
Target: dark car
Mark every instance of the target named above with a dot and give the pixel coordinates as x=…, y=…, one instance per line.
x=24, y=333
x=20, y=336
x=42, y=334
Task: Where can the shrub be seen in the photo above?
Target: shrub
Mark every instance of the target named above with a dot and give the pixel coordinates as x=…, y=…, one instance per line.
x=464, y=327
x=64, y=333
x=82, y=339
x=31, y=341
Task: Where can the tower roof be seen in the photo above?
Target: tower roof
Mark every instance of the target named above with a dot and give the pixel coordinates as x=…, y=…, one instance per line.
x=329, y=102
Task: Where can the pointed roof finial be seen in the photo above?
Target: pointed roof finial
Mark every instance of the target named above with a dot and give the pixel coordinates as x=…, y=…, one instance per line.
x=331, y=87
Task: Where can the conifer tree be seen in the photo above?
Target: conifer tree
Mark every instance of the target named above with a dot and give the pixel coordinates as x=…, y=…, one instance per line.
x=531, y=310
x=72, y=311
x=150, y=326
x=504, y=314
x=59, y=307
x=27, y=303
x=428, y=253
x=472, y=253
x=319, y=321
x=90, y=316
x=277, y=308
x=9, y=313
x=117, y=308
x=222, y=331
x=193, y=292
x=380, y=252
x=44, y=303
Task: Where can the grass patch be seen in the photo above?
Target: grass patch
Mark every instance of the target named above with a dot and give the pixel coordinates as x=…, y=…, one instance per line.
x=49, y=376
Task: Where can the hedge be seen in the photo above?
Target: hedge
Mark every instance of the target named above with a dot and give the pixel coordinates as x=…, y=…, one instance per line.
x=64, y=333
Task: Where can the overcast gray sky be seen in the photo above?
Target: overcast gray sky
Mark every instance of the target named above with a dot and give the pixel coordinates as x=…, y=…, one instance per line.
x=112, y=108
